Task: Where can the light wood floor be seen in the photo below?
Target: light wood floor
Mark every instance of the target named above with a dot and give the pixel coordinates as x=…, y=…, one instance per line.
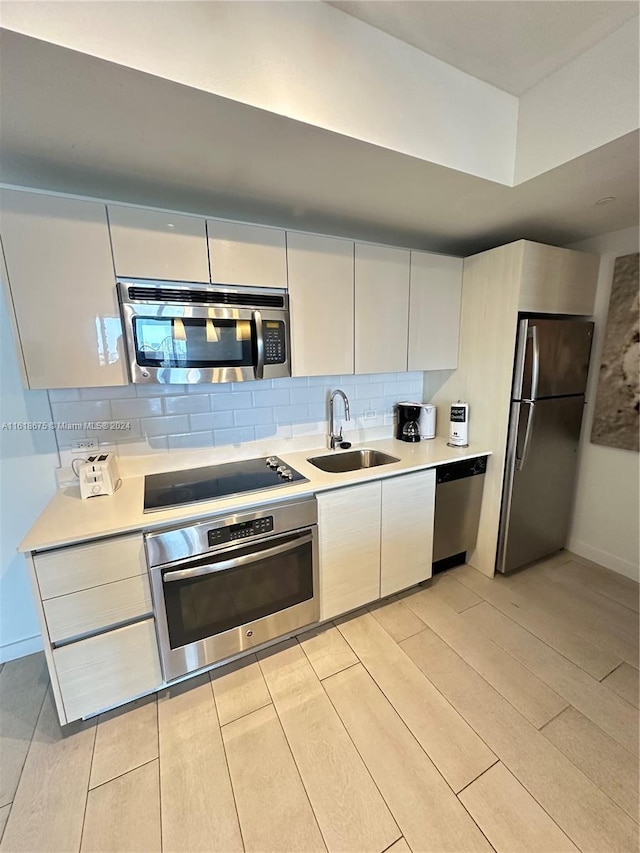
x=463, y=715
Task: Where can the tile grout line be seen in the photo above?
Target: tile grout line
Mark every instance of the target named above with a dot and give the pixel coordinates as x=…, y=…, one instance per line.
x=455, y=793
x=479, y=776
x=293, y=758
x=555, y=716
x=120, y=775
x=364, y=763
x=86, y=799
x=226, y=761
x=29, y=748
x=546, y=642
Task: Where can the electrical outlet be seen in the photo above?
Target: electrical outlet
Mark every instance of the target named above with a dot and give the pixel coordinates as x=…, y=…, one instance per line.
x=371, y=415
x=81, y=445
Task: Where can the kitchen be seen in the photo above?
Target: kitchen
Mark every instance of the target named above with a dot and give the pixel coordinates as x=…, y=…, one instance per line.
x=303, y=393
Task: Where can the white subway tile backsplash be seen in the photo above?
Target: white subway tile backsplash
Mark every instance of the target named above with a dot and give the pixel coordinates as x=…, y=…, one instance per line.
x=311, y=394
x=318, y=411
x=192, y=416
x=371, y=389
x=273, y=397
x=64, y=395
x=187, y=440
x=116, y=392
x=168, y=425
x=266, y=431
x=211, y=420
x=236, y=435
x=187, y=404
x=233, y=401
x=293, y=381
x=258, y=385
x=162, y=390
x=291, y=414
x=252, y=417
x=82, y=411
x=136, y=408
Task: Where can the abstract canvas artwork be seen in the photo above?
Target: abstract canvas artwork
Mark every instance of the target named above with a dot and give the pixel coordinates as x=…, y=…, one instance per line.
x=615, y=421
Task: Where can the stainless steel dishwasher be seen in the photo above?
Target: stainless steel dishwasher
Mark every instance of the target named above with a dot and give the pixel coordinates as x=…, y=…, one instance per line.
x=458, y=499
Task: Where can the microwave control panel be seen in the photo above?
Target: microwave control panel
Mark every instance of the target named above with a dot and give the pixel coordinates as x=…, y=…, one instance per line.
x=242, y=530
x=275, y=347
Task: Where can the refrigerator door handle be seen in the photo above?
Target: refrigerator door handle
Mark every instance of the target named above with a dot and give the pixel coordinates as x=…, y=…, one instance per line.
x=535, y=363
x=520, y=460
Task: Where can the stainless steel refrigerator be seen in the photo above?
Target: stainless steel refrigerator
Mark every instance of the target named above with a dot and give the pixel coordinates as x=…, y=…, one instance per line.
x=547, y=403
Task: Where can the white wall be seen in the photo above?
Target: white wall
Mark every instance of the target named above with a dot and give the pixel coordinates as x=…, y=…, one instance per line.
x=607, y=511
x=304, y=60
x=585, y=104
x=28, y=460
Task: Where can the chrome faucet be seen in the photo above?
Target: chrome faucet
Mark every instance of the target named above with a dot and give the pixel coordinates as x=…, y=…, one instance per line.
x=336, y=439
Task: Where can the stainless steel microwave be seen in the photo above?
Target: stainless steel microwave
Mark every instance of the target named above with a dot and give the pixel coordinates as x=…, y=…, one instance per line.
x=181, y=333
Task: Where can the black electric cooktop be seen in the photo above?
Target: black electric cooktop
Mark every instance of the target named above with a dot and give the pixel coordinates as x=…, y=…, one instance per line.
x=174, y=488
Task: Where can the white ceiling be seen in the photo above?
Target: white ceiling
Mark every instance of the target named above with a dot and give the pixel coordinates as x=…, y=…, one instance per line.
x=100, y=129
x=512, y=44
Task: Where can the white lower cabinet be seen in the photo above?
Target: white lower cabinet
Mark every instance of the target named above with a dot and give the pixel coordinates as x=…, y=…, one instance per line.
x=375, y=539
x=406, y=546
x=108, y=669
x=349, y=534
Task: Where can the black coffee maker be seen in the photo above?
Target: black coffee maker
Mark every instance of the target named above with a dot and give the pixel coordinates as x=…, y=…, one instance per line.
x=408, y=428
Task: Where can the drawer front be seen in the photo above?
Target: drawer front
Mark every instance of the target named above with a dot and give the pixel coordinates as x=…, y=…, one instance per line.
x=80, y=567
x=109, y=669
x=97, y=608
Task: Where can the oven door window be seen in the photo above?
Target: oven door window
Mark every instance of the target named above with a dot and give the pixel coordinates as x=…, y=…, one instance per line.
x=190, y=342
x=208, y=604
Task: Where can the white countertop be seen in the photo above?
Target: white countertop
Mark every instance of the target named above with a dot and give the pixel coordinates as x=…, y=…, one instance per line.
x=68, y=518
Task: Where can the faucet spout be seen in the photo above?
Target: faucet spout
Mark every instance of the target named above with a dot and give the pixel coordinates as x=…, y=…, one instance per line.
x=335, y=438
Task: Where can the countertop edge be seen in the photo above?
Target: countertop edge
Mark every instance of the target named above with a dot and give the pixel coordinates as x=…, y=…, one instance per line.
x=318, y=481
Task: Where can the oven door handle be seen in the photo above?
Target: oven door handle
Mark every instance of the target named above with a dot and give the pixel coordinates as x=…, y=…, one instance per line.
x=223, y=565
x=259, y=368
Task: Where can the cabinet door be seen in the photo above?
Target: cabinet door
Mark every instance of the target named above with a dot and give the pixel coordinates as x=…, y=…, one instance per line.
x=108, y=670
x=434, y=311
x=382, y=309
x=349, y=535
x=153, y=244
x=77, y=567
x=60, y=272
x=246, y=254
x=321, y=304
x=408, y=504
x=557, y=281
x=98, y=608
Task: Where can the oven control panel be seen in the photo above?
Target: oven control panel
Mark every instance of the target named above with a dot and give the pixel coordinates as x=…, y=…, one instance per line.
x=274, y=342
x=242, y=530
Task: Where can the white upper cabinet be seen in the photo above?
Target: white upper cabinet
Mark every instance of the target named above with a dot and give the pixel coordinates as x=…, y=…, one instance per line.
x=406, y=548
x=247, y=254
x=381, y=308
x=557, y=281
x=434, y=311
x=321, y=304
x=60, y=271
x=157, y=245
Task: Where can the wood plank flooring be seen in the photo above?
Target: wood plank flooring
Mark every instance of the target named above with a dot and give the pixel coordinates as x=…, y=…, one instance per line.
x=465, y=714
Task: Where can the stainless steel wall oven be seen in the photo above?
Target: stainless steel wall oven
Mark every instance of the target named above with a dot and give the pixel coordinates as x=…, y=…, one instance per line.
x=232, y=582
x=196, y=333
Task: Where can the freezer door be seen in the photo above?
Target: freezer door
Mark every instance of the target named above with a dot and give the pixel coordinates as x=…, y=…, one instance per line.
x=539, y=480
x=554, y=358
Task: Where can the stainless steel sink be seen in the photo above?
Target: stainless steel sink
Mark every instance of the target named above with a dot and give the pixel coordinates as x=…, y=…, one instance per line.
x=354, y=460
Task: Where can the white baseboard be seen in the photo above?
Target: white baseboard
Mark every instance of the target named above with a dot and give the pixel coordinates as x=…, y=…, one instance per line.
x=610, y=561
x=21, y=649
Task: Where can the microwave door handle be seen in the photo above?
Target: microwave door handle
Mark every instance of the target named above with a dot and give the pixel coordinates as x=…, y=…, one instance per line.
x=236, y=562
x=259, y=367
